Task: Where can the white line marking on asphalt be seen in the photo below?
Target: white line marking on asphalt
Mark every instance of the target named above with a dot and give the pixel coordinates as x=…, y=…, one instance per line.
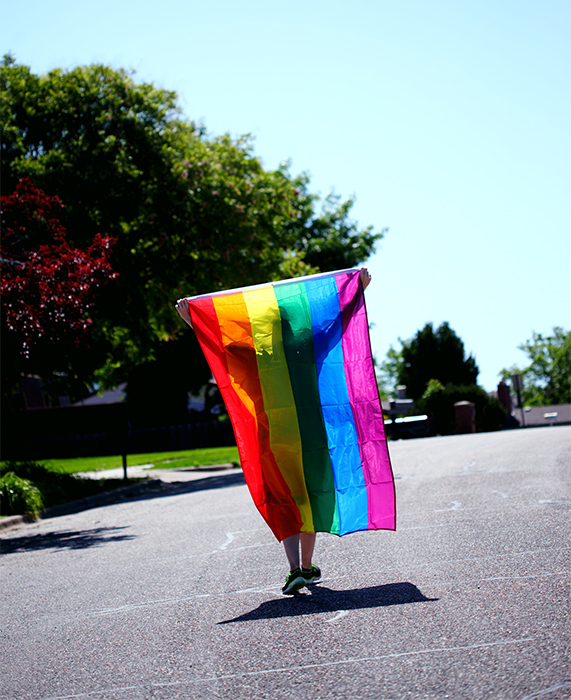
x=512, y=505
x=250, y=546
x=339, y=615
x=218, y=517
x=547, y=691
x=273, y=588
x=230, y=538
x=454, y=505
x=290, y=669
x=429, y=527
x=441, y=562
x=182, y=599
x=459, y=582
x=146, y=604
x=182, y=557
x=545, y=502
x=503, y=494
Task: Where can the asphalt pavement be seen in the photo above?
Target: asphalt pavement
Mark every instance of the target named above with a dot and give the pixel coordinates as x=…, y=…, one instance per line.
x=176, y=592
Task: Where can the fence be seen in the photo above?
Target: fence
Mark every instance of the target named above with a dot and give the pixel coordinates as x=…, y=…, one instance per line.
x=63, y=434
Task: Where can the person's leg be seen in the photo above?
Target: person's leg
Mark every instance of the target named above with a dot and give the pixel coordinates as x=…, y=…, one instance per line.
x=309, y=571
x=291, y=546
x=307, y=546
x=295, y=579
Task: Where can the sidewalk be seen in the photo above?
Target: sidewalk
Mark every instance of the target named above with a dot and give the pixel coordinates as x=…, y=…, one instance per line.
x=142, y=471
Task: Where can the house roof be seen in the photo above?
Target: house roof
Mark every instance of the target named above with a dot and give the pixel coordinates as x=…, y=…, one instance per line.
x=544, y=415
x=116, y=395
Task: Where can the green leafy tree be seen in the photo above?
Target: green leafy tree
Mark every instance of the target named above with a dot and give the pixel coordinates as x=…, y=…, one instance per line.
x=190, y=213
x=430, y=355
x=388, y=374
x=547, y=378
x=330, y=239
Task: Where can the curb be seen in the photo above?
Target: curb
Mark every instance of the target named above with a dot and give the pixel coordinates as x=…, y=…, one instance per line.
x=100, y=499
x=14, y=520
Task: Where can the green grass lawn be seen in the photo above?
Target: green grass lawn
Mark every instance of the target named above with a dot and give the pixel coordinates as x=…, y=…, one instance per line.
x=160, y=460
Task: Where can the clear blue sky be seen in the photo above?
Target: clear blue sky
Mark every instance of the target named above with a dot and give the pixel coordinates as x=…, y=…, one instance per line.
x=449, y=121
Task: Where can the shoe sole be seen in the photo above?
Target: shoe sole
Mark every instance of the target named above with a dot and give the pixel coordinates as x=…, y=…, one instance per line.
x=312, y=579
x=294, y=586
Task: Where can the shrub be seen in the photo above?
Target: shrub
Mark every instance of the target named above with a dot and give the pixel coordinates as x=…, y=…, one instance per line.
x=52, y=485
x=19, y=496
x=56, y=487
x=439, y=403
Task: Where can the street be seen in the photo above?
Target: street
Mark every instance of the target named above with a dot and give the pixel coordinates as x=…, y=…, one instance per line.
x=178, y=594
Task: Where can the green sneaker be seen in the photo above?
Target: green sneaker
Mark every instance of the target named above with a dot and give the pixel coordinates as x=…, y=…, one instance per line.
x=311, y=575
x=294, y=581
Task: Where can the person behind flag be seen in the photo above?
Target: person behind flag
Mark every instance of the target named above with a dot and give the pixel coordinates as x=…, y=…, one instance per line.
x=299, y=548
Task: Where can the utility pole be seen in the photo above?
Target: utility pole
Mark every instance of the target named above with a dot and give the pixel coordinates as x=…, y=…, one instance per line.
x=517, y=383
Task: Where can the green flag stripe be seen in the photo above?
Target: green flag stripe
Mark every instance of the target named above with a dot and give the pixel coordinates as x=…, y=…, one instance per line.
x=298, y=345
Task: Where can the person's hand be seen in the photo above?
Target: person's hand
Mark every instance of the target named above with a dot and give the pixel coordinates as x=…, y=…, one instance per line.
x=182, y=308
x=365, y=277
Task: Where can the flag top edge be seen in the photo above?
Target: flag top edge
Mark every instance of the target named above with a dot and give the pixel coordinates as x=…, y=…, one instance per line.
x=291, y=280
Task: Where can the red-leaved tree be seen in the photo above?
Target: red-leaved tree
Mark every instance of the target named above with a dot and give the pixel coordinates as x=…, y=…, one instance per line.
x=47, y=287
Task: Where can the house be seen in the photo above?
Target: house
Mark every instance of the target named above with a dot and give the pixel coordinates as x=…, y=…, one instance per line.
x=534, y=416
x=531, y=416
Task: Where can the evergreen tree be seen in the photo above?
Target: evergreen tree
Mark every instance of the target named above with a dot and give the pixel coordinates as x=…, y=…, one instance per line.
x=436, y=355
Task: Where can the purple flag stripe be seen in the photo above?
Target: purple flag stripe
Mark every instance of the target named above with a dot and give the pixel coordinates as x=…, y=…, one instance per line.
x=365, y=403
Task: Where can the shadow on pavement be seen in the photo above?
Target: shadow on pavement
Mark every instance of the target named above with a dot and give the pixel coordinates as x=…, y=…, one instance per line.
x=162, y=489
x=194, y=470
x=67, y=539
x=324, y=599
x=174, y=488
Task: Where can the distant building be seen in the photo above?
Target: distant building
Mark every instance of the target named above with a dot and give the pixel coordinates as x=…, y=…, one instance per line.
x=533, y=416
x=546, y=415
x=116, y=395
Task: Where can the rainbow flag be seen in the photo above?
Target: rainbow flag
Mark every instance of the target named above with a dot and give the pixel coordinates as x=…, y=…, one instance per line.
x=293, y=363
